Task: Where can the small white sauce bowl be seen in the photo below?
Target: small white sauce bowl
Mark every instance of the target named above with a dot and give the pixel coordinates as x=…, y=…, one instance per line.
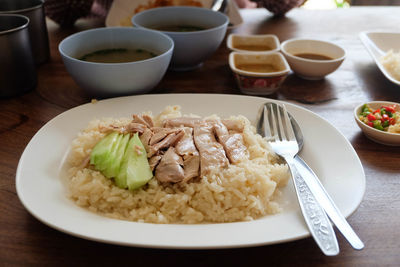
x=112, y=79
x=234, y=42
x=312, y=69
x=391, y=139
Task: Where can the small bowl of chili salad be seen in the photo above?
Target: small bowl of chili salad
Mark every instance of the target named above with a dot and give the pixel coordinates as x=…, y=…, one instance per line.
x=259, y=74
x=380, y=121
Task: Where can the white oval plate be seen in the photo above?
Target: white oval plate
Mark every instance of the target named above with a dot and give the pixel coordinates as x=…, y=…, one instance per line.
x=378, y=44
x=41, y=168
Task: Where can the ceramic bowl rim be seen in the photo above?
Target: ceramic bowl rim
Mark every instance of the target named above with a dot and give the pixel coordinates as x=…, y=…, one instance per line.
x=258, y=74
x=219, y=27
x=255, y=36
x=78, y=34
x=357, y=110
x=335, y=60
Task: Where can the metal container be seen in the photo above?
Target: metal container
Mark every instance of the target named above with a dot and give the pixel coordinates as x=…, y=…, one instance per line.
x=34, y=10
x=17, y=67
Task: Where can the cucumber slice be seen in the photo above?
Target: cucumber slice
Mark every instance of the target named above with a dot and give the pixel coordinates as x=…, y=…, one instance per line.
x=116, y=156
x=123, y=158
x=100, y=156
x=138, y=171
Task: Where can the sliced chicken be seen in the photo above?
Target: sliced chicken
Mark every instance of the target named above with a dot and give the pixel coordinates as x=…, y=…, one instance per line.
x=143, y=119
x=186, y=145
x=131, y=127
x=169, y=140
x=191, y=167
x=153, y=161
x=157, y=129
x=212, y=153
x=232, y=143
x=235, y=148
x=191, y=159
x=182, y=121
x=134, y=127
x=161, y=134
x=145, y=138
x=148, y=119
x=170, y=167
x=110, y=128
x=233, y=125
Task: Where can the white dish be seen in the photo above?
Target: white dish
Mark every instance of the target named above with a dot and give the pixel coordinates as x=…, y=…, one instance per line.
x=258, y=83
x=378, y=44
x=191, y=48
x=122, y=11
x=269, y=41
x=41, y=189
x=116, y=79
x=385, y=138
x=312, y=69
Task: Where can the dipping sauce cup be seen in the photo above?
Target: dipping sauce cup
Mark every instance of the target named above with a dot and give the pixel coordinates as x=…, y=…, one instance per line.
x=253, y=43
x=17, y=68
x=312, y=59
x=259, y=74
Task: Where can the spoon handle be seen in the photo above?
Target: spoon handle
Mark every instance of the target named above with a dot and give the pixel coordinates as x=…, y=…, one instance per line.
x=314, y=215
x=327, y=203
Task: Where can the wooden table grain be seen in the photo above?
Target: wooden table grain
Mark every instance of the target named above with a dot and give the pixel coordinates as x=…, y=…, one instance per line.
x=24, y=240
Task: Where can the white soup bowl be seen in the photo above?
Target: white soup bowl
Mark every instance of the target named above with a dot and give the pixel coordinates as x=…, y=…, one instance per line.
x=111, y=79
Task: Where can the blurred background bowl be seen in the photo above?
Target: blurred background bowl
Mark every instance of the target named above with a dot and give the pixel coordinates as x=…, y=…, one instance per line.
x=111, y=79
x=191, y=47
x=312, y=69
x=386, y=138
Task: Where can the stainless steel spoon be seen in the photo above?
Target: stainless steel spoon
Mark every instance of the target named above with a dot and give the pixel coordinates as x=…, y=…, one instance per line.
x=318, y=190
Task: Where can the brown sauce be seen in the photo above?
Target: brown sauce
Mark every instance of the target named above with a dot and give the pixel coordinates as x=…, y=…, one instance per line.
x=261, y=68
x=253, y=47
x=313, y=56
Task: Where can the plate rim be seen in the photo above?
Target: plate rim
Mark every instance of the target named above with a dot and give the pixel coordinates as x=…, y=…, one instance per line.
x=186, y=246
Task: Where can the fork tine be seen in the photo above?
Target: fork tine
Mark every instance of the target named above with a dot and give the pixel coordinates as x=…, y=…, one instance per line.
x=288, y=125
x=265, y=121
x=273, y=125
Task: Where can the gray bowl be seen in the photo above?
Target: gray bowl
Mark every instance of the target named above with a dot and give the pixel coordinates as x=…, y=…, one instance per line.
x=111, y=79
x=191, y=48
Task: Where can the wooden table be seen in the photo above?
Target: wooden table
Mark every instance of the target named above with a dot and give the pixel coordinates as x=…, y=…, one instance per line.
x=26, y=241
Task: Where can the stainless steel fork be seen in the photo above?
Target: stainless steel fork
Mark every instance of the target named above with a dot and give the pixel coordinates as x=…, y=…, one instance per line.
x=281, y=137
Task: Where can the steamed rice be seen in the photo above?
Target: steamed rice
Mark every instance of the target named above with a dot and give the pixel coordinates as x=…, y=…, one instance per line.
x=391, y=62
x=237, y=193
